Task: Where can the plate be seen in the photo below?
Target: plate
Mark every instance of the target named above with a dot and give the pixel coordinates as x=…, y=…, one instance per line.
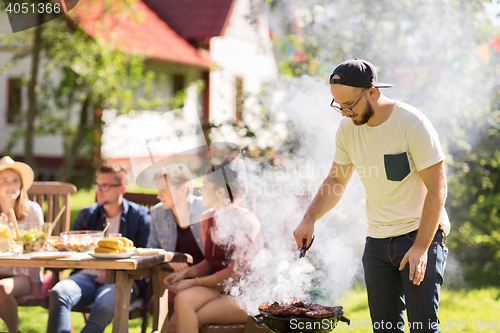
x=112, y=255
x=149, y=251
x=51, y=255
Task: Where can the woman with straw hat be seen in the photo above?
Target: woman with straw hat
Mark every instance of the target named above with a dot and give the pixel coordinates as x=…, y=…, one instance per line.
x=17, y=282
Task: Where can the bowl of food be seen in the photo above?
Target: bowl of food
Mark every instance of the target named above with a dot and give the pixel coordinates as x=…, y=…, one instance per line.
x=5, y=237
x=81, y=240
x=32, y=235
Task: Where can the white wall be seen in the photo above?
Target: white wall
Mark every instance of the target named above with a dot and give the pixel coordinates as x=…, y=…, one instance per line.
x=46, y=146
x=244, y=51
x=51, y=146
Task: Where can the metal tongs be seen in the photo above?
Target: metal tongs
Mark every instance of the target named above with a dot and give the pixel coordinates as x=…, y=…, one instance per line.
x=303, y=250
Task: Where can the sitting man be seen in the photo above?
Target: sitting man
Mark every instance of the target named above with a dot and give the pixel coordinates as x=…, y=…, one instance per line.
x=87, y=286
x=175, y=221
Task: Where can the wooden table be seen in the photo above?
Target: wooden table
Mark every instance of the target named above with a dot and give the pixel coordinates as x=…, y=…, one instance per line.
x=122, y=273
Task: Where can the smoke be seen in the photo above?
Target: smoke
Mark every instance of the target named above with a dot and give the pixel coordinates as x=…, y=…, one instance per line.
x=454, y=276
x=282, y=194
x=428, y=54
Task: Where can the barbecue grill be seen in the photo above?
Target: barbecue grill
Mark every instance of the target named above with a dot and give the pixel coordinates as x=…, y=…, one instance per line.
x=279, y=324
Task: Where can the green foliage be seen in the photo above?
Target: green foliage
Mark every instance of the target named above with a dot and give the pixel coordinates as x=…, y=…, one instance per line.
x=82, y=75
x=474, y=201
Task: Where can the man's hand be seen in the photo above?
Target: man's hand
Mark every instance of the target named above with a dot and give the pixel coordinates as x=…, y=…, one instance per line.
x=417, y=257
x=305, y=230
x=101, y=278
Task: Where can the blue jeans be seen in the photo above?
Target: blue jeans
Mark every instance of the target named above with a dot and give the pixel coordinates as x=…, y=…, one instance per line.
x=78, y=292
x=390, y=291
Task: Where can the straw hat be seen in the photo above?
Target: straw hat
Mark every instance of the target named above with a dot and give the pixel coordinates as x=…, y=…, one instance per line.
x=27, y=175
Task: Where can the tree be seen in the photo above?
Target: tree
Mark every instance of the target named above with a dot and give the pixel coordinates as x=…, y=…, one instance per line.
x=475, y=202
x=81, y=76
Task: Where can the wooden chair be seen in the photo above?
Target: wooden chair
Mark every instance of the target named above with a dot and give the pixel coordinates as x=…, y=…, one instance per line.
x=51, y=193
x=144, y=199
x=51, y=196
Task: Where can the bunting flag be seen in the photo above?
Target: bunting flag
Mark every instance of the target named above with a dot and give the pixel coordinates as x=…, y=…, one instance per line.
x=291, y=52
x=496, y=44
x=406, y=74
x=422, y=73
x=288, y=50
x=313, y=65
x=483, y=53
x=400, y=74
x=298, y=56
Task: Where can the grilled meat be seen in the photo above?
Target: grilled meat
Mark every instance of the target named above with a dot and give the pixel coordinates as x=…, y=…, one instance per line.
x=295, y=308
x=274, y=309
x=264, y=307
x=320, y=313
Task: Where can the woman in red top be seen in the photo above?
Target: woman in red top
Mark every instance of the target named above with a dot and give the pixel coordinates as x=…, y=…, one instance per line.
x=232, y=238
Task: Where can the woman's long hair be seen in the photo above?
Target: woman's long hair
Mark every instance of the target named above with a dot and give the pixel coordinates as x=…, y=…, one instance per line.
x=228, y=182
x=21, y=205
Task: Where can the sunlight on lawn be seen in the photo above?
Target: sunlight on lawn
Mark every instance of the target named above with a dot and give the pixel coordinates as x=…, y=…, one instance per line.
x=462, y=310
x=477, y=310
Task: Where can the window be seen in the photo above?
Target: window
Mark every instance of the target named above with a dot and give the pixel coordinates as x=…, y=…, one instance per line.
x=13, y=100
x=179, y=94
x=178, y=83
x=240, y=100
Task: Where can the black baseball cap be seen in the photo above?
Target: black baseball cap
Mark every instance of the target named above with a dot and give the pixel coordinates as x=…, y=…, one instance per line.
x=357, y=73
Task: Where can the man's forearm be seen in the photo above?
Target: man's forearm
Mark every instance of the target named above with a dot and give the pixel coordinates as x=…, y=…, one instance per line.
x=329, y=194
x=431, y=213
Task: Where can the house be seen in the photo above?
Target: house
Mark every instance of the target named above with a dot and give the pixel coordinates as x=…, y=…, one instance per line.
x=225, y=43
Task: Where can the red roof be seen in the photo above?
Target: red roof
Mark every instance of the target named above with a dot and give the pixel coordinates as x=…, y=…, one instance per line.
x=194, y=19
x=150, y=36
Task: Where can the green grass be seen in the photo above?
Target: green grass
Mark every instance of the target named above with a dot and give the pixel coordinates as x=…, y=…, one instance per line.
x=79, y=200
x=476, y=309
x=473, y=307
x=34, y=320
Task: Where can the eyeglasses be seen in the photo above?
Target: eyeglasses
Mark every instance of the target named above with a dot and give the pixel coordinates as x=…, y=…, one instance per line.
x=104, y=187
x=347, y=110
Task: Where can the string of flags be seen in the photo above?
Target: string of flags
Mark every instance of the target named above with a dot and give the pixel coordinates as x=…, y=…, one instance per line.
x=404, y=74
x=483, y=51
x=288, y=49
x=410, y=74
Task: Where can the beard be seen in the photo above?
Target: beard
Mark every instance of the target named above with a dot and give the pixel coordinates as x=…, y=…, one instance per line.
x=365, y=116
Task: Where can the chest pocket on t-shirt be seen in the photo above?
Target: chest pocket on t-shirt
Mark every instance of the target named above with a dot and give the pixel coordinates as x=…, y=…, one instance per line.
x=397, y=166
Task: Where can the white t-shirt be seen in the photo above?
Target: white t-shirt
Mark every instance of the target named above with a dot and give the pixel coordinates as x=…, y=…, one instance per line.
x=114, y=227
x=387, y=159
x=114, y=224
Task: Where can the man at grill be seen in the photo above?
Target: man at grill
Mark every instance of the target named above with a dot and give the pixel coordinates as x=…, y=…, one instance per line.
x=404, y=254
